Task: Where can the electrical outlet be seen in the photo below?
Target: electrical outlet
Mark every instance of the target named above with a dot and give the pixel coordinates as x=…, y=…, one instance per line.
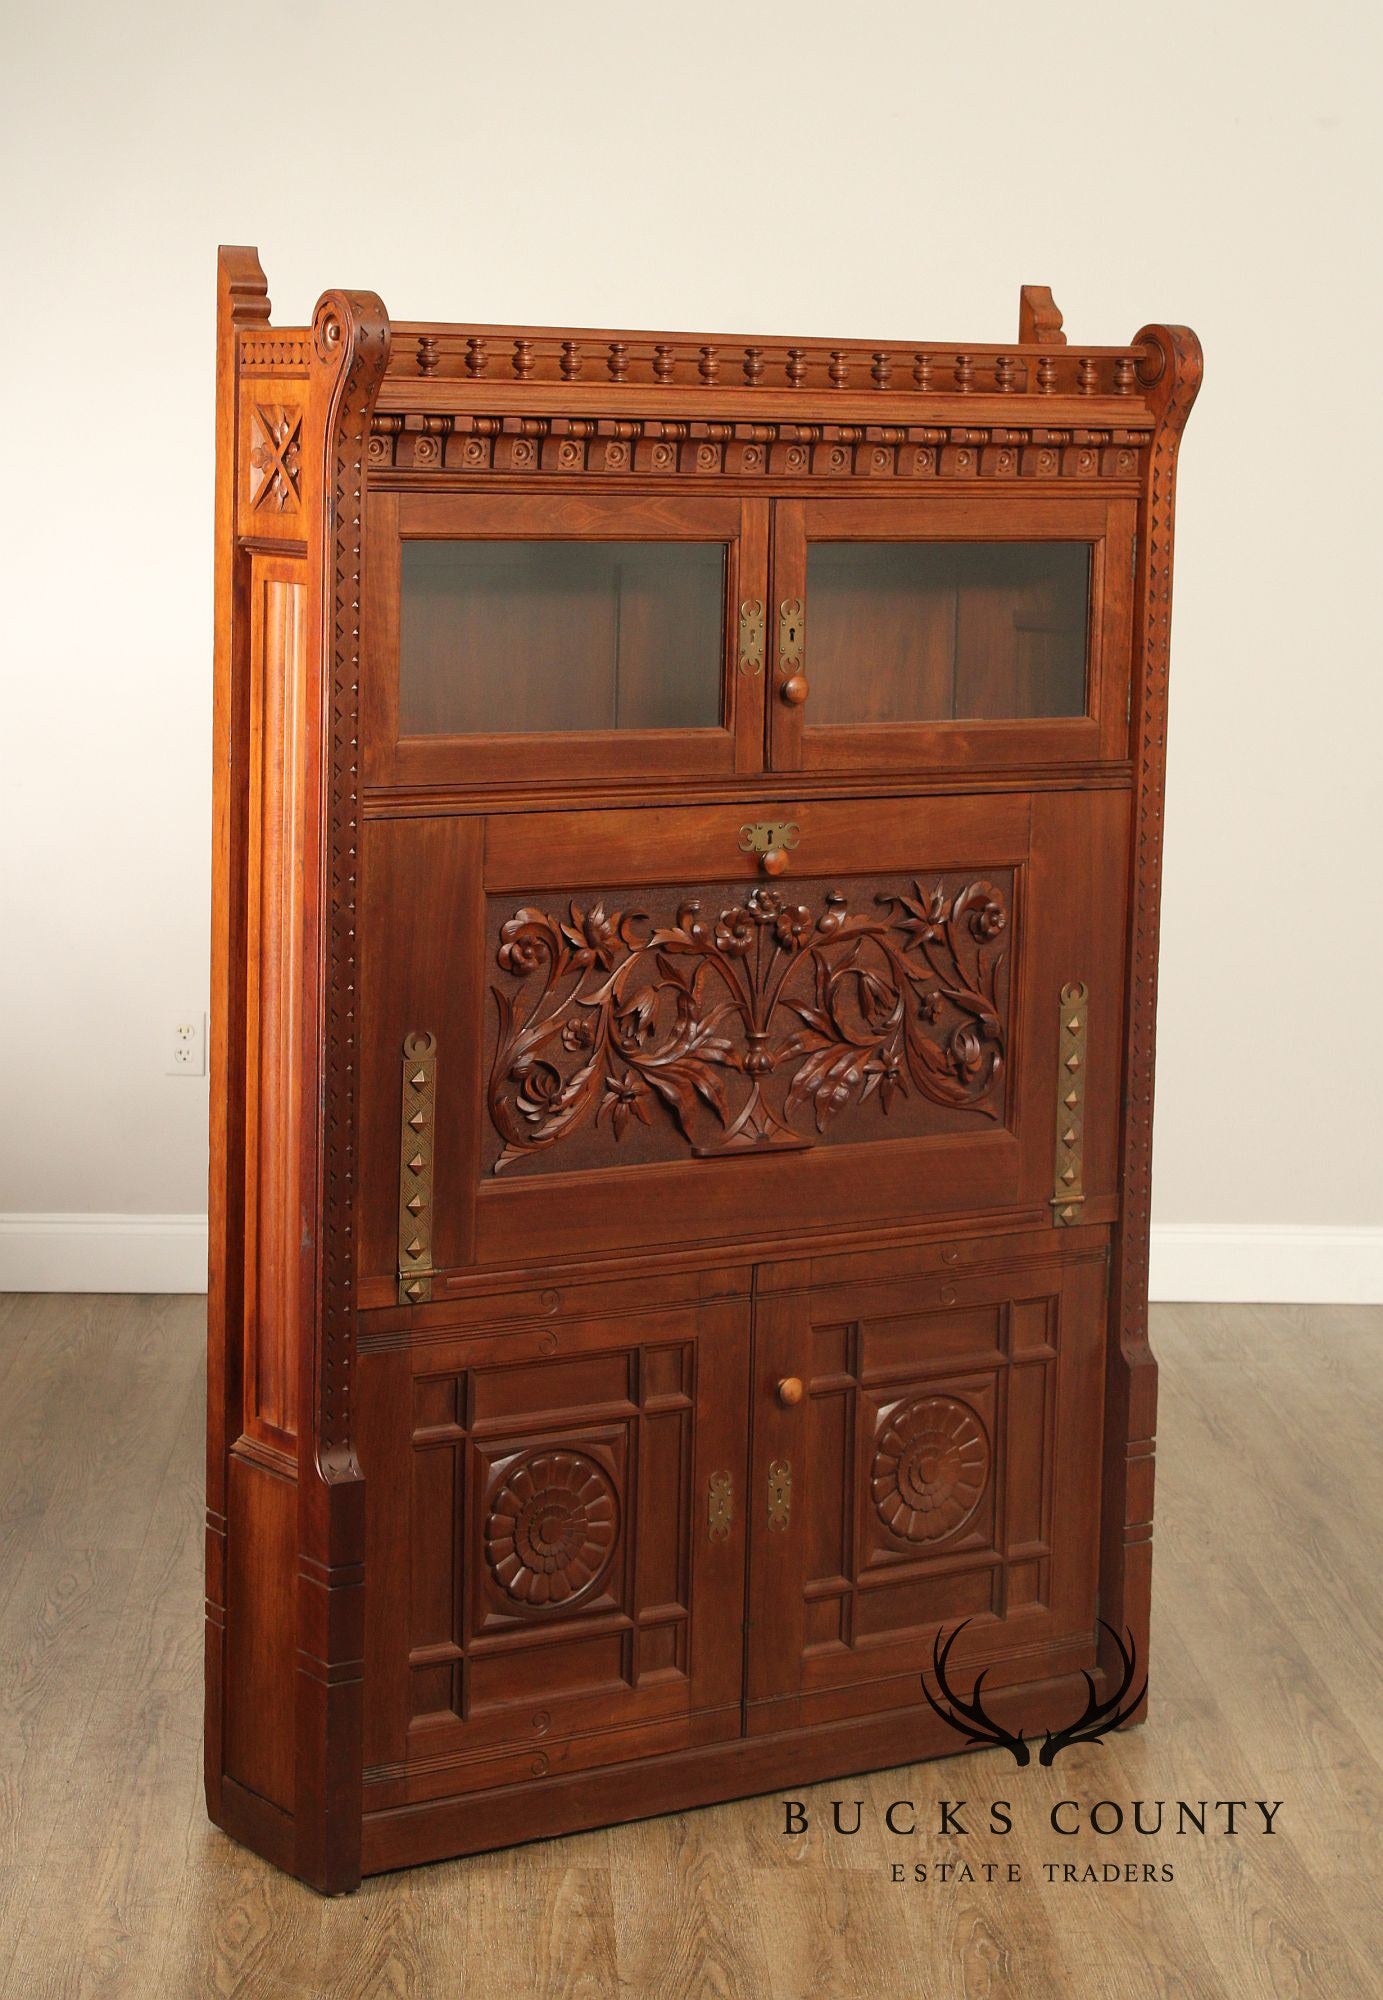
x=187, y=1046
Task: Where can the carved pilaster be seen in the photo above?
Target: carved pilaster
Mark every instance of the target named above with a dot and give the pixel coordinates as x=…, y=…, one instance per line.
x=1170, y=377
x=350, y=346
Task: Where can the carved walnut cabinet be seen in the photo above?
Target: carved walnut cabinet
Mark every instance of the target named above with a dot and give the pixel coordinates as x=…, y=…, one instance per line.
x=688, y=830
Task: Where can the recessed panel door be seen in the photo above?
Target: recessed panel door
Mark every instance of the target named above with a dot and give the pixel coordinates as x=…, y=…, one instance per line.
x=927, y=1451
x=557, y=1526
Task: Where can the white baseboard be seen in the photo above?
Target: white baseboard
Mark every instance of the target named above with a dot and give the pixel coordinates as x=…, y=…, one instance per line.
x=103, y=1253
x=1267, y=1263
x=1260, y=1262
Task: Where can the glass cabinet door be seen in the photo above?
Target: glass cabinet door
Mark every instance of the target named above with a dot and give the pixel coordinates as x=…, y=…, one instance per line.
x=549, y=639
x=946, y=631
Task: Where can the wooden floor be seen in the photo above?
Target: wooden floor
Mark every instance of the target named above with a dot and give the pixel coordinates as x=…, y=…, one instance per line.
x=1266, y=1686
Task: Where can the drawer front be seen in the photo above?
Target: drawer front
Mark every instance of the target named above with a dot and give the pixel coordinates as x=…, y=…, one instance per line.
x=642, y=1039
x=933, y=1458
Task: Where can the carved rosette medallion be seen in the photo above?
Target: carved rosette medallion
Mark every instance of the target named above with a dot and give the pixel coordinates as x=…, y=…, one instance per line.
x=931, y=1466
x=550, y=1533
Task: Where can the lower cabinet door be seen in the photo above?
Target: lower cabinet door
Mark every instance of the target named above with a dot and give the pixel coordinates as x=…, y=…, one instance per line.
x=927, y=1450
x=556, y=1548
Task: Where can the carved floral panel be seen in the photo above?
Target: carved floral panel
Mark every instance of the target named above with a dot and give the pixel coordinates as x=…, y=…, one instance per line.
x=630, y=1026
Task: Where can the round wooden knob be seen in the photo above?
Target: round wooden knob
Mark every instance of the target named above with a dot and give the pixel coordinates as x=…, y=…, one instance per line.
x=790, y=1391
x=794, y=691
x=775, y=861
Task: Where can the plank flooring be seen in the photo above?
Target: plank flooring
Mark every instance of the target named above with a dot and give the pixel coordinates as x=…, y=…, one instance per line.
x=1267, y=1633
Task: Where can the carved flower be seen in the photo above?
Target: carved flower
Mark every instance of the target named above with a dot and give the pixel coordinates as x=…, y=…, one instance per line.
x=525, y=941
x=989, y=919
x=577, y=1035
x=884, y=1073
x=734, y=933
x=625, y=1097
x=593, y=936
x=764, y=904
x=925, y=914
x=793, y=927
x=634, y=1022
x=930, y=1008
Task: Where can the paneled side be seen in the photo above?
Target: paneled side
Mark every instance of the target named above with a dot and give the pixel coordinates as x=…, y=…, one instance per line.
x=261, y=1615
x=276, y=826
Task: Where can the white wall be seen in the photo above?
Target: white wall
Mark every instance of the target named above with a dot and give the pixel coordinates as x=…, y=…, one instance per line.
x=894, y=171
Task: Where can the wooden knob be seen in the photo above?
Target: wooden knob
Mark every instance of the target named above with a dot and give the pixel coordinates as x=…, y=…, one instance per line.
x=790, y=1391
x=794, y=691
x=775, y=861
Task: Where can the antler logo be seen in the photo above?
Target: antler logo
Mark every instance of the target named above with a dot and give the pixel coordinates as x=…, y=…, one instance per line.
x=970, y=1720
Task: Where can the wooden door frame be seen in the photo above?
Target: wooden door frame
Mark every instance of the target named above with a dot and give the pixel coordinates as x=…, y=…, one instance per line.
x=1107, y=522
x=561, y=758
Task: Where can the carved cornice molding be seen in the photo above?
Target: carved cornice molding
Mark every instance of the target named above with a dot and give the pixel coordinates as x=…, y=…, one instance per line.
x=433, y=442
x=1040, y=365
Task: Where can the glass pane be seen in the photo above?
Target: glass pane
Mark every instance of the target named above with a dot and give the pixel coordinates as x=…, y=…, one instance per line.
x=944, y=631
x=535, y=635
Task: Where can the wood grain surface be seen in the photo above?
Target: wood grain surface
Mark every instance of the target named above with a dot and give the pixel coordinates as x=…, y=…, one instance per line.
x=1266, y=1621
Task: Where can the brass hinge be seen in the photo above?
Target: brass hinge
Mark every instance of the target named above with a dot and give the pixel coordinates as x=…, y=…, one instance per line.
x=1068, y=1192
x=779, y=1493
x=419, y=1118
x=720, y=1506
x=752, y=636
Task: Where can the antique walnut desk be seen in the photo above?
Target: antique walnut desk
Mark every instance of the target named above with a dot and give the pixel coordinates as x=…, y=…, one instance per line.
x=688, y=832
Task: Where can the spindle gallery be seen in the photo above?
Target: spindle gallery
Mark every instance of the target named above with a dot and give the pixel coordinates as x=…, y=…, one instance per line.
x=688, y=852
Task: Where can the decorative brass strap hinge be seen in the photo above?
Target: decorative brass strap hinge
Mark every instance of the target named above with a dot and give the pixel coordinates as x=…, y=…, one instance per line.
x=419, y=1120
x=720, y=1506
x=779, y=1493
x=752, y=636
x=1068, y=1191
